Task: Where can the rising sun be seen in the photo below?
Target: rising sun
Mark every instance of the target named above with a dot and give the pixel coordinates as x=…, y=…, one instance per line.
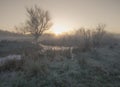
x=59, y=29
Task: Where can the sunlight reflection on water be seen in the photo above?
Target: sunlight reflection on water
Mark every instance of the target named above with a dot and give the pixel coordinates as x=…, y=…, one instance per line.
x=55, y=47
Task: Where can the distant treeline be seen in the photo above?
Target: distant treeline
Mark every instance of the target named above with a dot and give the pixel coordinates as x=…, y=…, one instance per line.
x=8, y=33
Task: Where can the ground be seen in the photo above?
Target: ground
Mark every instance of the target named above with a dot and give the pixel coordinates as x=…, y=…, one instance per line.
x=98, y=67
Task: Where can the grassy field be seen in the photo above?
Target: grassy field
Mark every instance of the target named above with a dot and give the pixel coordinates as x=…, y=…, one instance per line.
x=98, y=67
x=84, y=59
x=13, y=47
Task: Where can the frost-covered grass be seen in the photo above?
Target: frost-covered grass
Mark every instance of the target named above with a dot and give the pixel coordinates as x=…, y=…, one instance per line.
x=98, y=67
x=8, y=47
x=93, y=62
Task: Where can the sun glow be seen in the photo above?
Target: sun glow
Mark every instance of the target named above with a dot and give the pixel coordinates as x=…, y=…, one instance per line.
x=59, y=29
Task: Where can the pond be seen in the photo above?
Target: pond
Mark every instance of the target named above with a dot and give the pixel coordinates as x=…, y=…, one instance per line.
x=45, y=47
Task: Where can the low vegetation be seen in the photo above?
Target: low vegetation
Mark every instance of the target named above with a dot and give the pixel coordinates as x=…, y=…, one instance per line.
x=89, y=58
x=14, y=47
x=83, y=38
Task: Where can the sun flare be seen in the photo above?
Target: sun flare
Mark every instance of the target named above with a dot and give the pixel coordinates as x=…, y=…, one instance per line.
x=59, y=29
x=57, y=32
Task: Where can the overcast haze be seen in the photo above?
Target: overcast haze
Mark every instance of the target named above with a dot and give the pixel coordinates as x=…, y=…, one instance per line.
x=69, y=13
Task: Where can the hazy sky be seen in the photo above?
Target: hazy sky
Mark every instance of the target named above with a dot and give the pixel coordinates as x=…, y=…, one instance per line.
x=67, y=13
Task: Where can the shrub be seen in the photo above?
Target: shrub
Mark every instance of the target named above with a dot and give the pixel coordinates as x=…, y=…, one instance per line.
x=35, y=63
x=32, y=67
x=11, y=65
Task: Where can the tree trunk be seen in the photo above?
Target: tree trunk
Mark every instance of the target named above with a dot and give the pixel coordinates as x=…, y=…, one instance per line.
x=36, y=40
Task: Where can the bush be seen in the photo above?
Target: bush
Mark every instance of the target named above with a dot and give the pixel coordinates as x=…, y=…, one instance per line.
x=11, y=65
x=84, y=39
x=33, y=68
x=34, y=63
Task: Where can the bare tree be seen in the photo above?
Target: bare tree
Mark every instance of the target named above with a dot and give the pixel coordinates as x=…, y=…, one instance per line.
x=38, y=22
x=98, y=35
x=21, y=29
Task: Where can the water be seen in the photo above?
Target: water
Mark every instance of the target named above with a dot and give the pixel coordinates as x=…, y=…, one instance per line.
x=45, y=47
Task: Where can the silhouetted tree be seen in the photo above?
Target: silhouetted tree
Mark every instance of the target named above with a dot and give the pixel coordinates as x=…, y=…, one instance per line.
x=98, y=35
x=38, y=22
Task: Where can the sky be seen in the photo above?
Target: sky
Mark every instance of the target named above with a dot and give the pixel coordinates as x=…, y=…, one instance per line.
x=65, y=14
